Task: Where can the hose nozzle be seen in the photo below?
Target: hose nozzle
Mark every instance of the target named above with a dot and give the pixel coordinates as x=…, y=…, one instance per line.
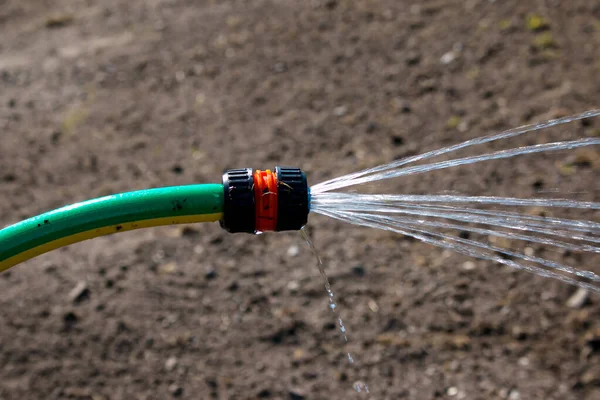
x=261, y=201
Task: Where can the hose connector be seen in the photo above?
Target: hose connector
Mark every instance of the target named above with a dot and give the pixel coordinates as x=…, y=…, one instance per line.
x=262, y=201
x=238, y=201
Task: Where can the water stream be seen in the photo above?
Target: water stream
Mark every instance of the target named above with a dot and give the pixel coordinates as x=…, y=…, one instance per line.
x=358, y=386
x=473, y=225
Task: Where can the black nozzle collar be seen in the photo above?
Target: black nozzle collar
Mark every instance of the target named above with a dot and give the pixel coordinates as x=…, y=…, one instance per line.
x=238, y=196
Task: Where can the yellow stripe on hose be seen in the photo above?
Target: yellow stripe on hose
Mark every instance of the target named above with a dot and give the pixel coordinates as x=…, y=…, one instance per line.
x=128, y=226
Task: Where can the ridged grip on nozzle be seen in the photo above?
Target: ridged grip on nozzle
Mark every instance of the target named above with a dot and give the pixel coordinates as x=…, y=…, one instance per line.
x=292, y=199
x=238, y=206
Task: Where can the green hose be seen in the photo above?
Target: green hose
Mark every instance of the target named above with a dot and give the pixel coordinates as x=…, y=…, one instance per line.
x=106, y=215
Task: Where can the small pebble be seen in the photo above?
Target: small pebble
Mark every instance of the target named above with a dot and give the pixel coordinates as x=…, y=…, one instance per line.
x=578, y=299
x=175, y=390
x=524, y=361
x=170, y=364
x=463, y=126
x=514, y=395
x=468, y=265
x=293, y=251
x=167, y=268
x=79, y=293
x=340, y=111
x=448, y=57
x=199, y=249
x=373, y=306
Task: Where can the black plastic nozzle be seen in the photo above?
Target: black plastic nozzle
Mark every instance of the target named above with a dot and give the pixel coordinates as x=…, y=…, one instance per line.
x=239, y=209
x=292, y=199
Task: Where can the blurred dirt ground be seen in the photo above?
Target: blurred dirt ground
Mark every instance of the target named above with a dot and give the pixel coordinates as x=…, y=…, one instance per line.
x=98, y=97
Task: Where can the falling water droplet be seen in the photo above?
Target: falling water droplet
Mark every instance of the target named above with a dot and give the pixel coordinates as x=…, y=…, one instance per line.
x=358, y=386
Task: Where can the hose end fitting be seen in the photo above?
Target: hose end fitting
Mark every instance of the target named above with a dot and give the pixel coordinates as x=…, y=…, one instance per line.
x=262, y=201
x=238, y=201
x=293, y=199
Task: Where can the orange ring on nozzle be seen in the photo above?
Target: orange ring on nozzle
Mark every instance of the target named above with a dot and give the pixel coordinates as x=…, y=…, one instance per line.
x=265, y=200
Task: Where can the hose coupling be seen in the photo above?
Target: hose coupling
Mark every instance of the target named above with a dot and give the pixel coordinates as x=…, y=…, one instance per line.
x=261, y=201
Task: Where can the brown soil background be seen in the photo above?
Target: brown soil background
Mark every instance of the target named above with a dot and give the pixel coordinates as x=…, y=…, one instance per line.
x=98, y=97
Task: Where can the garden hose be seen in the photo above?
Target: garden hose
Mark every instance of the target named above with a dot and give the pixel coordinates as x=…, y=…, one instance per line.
x=247, y=201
